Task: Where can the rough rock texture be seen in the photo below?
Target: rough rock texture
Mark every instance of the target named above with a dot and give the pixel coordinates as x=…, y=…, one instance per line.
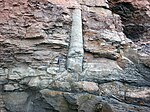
x=135, y=15
x=74, y=56
x=75, y=53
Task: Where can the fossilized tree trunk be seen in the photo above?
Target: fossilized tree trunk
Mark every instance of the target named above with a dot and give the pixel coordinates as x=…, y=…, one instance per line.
x=75, y=55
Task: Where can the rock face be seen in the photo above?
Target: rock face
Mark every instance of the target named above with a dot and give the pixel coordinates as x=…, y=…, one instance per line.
x=74, y=56
x=135, y=16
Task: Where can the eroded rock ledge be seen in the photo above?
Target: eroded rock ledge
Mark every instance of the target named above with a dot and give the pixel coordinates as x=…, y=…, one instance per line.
x=38, y=37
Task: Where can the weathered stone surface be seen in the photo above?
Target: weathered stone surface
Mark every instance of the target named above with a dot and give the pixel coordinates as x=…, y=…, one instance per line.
x=144, y=54
x=3, y=80
x=52, y=70
x=44, y=69
x=145, y=58
x=101, y=71
x=29, y=27
x=75, y=64
x=10, y=87
x=2, y=105
x=75, y=54
x=56, y=100
x=103, y=34
x=35, y=31
x=122, y=91
x=94, y=2
x=2, y=71
x=110, y=71
x=87, y=102
x=75, y=102
x=22, y=71
x=139, y=3
x=15, y=101
x=34, y=82
x=90, y=86
x=135, y=16
x=66, y=3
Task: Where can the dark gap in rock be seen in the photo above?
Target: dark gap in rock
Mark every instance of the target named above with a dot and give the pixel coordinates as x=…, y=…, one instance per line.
x=1, y=88
x=144, y=71
x=132, y=19
x=123, y=9
x=138, y=101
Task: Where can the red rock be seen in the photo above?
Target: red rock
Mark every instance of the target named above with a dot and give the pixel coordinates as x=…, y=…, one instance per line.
x=66, y=3
x=35, y=31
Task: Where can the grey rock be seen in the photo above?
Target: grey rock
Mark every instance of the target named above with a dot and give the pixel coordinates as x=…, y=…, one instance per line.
x=74, y=102
x=95, y=3
x=11, y=87
x=3, y=80
x=110, y=71
x=2, y=72
x=55, y=99
x=75, y=55
x=87, y=103
x=144, y=58
x=21, y=71
x=52, y=70
x=113, y=36
x=34, y=82
x=90, y=87
x=44, y=68
x=74, y=64
x=15, y=101
x=62, y=86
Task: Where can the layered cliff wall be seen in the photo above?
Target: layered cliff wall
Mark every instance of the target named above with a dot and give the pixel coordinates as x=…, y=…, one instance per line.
x=74, y=56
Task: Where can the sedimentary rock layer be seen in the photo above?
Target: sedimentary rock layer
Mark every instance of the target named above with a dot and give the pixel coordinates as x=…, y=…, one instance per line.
x=74, y=56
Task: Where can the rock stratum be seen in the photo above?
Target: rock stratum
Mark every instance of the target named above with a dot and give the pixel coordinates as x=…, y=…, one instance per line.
x=74, y=56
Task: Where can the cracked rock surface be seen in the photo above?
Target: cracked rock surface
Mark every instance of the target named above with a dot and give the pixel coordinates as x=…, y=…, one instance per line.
x=108, y=49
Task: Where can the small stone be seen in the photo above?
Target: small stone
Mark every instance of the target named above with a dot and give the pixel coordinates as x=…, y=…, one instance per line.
x=34, y=82
x=14, y=77
x=63, y=86
x=124, y=62
x=90, y=86
x=2, y=72
x=44, y=83
x=59, y=24
x=3, y=80
x=9, y=87
x=52, y=70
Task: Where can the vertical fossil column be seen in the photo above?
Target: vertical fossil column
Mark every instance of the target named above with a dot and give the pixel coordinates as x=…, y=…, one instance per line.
x=75, y=54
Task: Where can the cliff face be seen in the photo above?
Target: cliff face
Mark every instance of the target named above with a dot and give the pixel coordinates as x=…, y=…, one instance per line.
x=74, y=56
x=135, y=17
